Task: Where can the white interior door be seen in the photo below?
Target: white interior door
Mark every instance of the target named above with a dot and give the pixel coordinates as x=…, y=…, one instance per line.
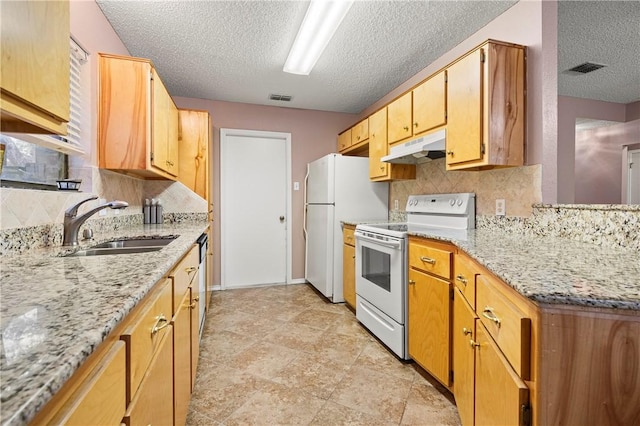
x=633, y=184
x=255, y=207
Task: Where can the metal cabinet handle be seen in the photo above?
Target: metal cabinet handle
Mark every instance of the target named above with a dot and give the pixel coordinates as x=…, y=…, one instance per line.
x=488, y=313
x=415, y=124
x=406, y=128
x=428, y=260
x=161, y=322
x=412, y=282
x=381, y=167
x=195, y=299
x=466, y=331
x=473, y=343
x=450, y=153
x=461, y=278
x=193, y=305
x=358, y=137
x=190, y=269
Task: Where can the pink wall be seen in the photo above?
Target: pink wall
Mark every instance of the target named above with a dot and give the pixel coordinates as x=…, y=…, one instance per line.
x=598, y=164
x=532, y=24
x=313, y=134
x=568, y=110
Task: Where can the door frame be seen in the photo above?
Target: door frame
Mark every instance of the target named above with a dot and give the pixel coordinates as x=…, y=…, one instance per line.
x=224, y=134
x=627, y=152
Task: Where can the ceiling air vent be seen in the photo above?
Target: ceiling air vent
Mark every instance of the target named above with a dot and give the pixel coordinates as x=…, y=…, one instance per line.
x=282, y=98
x=585, y=68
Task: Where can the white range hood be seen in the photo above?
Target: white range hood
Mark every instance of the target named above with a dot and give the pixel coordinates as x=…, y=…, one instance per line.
x=418, y=150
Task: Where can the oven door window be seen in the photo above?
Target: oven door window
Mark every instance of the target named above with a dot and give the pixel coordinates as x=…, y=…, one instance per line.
x=376, y=268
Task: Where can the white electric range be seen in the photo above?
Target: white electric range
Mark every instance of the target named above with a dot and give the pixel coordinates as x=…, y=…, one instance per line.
x=382, y=261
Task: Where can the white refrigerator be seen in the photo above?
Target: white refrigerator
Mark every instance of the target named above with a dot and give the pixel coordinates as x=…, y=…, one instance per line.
x=337, y=188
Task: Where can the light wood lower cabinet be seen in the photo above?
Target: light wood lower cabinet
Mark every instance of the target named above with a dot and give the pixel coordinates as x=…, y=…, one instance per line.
x=463, y=340
x=349, y=266
x=153, y=404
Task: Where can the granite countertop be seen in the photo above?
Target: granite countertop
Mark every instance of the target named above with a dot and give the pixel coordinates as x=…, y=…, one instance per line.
x=551, y=270
x=55, y=311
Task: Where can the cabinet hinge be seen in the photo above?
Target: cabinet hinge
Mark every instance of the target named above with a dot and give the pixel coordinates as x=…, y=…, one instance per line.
x=482, y=56
x=152, y=156
x=451, y=293
x=482, y=149
x=525, y=415
x=151, y=76
x=450, y=376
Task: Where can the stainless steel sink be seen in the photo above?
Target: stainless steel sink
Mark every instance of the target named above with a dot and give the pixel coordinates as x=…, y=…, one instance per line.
x=133, y=243
x=140, y=245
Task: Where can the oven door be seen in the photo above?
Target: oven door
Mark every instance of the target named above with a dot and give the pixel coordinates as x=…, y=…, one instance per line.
x=380, y=272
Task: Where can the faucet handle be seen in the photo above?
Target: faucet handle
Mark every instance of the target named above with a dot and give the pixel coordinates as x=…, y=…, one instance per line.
x=73, y=210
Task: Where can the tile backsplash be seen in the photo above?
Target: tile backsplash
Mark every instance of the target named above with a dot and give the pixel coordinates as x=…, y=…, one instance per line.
x=520, y=187
x=26, y=208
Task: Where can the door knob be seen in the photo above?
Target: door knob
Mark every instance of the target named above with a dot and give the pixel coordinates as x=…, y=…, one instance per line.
x=281, y=218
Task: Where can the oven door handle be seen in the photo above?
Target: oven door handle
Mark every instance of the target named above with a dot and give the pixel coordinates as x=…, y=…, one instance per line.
x=392, y=244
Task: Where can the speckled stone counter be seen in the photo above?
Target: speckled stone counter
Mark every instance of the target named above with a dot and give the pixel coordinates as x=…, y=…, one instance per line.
x=55, y=311
x=551, y=270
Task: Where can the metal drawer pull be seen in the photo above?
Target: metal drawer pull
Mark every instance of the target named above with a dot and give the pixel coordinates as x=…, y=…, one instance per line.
x=428, y=260
x=193, y=305
x=473, y=343
x=412, y=282
x=466, y=331
x=190, y=269
x=462, y=279
x=406, y=128
x=487, y=312
x=160, y=319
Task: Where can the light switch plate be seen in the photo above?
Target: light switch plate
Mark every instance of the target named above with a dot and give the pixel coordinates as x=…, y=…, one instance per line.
x=296, y=186
x=501, y=207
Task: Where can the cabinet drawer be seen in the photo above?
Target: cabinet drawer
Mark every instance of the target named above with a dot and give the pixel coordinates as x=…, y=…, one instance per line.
x=464, y=274
x=101, y=399
x=430, y=259
x=153, y=403
x=182, y=276
x=348, y=236
x=145, y=333
x=506, y=323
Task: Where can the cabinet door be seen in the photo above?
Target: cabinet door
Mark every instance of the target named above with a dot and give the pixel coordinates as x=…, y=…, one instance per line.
x=195, y=330
x=464, y=104
x=463, y=334
x=500, y=393
x=360, y=132
x=182, y=360
x=378, y=146
x=153, y=403
x=344, y=140
x=430, y=324
x=124, y=115
x=35, y=65
x=349, y=274
x=399, y=119
x=173, y=148
x=161, y=112
x=194, y=129
x=429, y=104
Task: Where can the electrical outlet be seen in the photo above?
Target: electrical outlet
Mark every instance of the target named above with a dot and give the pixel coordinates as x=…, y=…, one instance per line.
x=501, y=207
x=395, y=204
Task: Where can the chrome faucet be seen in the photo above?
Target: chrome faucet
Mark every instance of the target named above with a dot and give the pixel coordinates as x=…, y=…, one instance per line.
x=72, y=222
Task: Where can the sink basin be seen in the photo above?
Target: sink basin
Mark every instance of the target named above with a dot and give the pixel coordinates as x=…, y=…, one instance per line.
x=133, y=243
x=140, y=245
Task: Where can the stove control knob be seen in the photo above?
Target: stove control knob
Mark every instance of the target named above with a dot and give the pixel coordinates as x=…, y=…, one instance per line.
x=452, y=202
x=459, y=202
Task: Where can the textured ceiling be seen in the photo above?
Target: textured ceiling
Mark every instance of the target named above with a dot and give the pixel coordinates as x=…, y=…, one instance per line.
x=235, y=50
x=604, y=32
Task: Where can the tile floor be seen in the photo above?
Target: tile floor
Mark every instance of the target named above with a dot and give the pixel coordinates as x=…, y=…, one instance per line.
x=283, y=355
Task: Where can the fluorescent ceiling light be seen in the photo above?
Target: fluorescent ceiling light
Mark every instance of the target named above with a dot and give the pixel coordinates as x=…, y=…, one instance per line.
x=320, y=23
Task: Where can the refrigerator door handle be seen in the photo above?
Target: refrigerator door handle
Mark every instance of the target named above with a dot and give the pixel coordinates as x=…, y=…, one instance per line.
x=304, y=211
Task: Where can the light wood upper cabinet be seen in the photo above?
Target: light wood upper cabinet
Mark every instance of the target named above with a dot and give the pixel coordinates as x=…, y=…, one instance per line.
x=378, y=147
x=400, y=118
x=430, y=103
x=360, y=132
x=137, y=127
x=34, y=82
x=486, y=108
x=344, y=140
x=195, y=136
